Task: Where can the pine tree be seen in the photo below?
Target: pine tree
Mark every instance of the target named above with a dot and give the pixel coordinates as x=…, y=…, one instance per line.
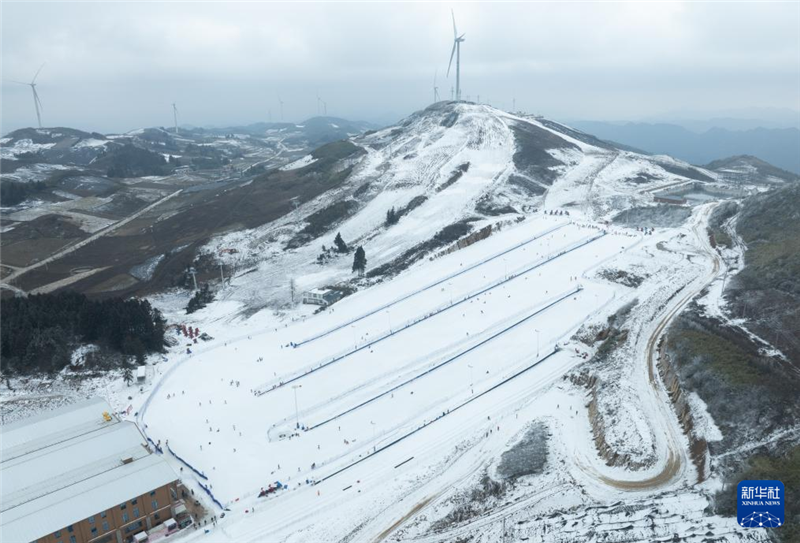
x=341, y=246
x=391, y=217
x=360, y=261
x=127, y=372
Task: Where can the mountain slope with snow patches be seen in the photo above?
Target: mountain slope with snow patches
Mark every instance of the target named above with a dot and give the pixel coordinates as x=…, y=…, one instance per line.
x=446, y=170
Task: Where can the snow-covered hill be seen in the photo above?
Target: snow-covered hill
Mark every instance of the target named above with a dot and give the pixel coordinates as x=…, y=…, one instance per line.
x=445, y=171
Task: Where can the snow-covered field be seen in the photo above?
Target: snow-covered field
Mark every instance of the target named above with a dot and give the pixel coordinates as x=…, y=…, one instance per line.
x=381, y=414
x=405, y=393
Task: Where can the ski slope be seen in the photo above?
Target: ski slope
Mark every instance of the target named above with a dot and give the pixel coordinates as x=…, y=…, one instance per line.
x=488, y=331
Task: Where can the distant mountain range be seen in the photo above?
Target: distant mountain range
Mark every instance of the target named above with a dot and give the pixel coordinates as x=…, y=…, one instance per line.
x=778, y=146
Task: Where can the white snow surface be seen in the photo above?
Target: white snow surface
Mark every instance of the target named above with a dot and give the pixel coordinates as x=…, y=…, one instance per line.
x=299, y=163
x=437, y=440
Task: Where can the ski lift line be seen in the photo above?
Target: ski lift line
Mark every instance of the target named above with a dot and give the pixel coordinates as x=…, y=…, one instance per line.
x=446, y=413
x=406, y=461
x=266, y=388
x=538, y=311
x=432, y=285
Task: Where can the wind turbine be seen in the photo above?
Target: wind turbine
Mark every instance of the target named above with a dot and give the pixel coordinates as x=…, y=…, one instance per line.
x=36, y=102
x=457, y=52
x=175, y=116
x=435, y=88
x=281, y=104
x=319, y=100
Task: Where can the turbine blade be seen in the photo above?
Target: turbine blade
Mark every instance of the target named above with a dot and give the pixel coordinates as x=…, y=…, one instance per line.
x=15, y=81
x=451, y=58
x=461, y=37
x=455, y=32
x=37, y=72
x=37, y=99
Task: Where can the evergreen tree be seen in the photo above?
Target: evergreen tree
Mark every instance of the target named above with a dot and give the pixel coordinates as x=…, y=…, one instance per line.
x=341, y=246
x=360, y=261
x=391, y=217
x=201, y=298
x=127, y=372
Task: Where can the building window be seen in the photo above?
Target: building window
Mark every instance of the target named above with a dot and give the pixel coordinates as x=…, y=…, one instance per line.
x=124, y=517
x=156, y=517
x=133, y=526
x=133, y=502
x=72, y=539
x=123, y=506
x=135, y=512
x=94, y=530
x=57, y=534
x=70, y=529
x=153, y=493
x=105, y=526
x=91, y=519
x=103, y=514
x=155, y=504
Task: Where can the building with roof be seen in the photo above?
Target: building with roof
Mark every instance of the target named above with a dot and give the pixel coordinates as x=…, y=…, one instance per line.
x=321, y=296
x=81, y=475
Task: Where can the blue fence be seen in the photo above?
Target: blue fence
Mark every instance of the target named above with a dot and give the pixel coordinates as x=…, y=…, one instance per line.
x=187, y=464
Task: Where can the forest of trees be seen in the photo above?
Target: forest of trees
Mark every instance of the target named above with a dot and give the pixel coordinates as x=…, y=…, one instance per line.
x=132, y=161
x=12, y=193
x=40, y=332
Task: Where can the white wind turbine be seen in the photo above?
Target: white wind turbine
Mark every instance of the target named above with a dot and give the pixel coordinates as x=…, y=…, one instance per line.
x=175, y=116
x=36, y=102
x=435, y=88
x=457, y=52
x=281, y=104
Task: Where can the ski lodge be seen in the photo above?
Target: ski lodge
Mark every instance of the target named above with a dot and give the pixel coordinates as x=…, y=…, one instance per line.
x=321, y=296
x=81, y=475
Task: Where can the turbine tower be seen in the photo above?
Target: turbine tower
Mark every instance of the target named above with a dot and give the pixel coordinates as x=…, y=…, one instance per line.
x=36, y=102
x=175, y=116
x=457, y=52
x=435, y=88
x=281, y=104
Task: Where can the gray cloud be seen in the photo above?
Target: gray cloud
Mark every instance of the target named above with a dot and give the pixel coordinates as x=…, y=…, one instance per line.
x=118, y=66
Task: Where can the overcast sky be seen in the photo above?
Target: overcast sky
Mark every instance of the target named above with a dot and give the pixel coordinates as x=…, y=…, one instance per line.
x=114, y=67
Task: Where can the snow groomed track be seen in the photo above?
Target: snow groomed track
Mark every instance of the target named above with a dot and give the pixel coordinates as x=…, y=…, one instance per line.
x=432, y=285
x=449, y=360
x=443, y=415
x=264, y=389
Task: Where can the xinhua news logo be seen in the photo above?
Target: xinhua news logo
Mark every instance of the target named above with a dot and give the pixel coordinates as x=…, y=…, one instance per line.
x=761, y=504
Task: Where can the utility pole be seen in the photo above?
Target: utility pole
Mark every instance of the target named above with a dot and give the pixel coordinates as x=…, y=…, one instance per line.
x=194, y=276
x=296, y=410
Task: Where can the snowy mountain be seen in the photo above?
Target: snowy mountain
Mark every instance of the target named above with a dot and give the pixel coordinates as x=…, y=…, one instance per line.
x=443, y=172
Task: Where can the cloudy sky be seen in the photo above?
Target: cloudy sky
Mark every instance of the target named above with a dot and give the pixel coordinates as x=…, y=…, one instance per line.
x=118, y=66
